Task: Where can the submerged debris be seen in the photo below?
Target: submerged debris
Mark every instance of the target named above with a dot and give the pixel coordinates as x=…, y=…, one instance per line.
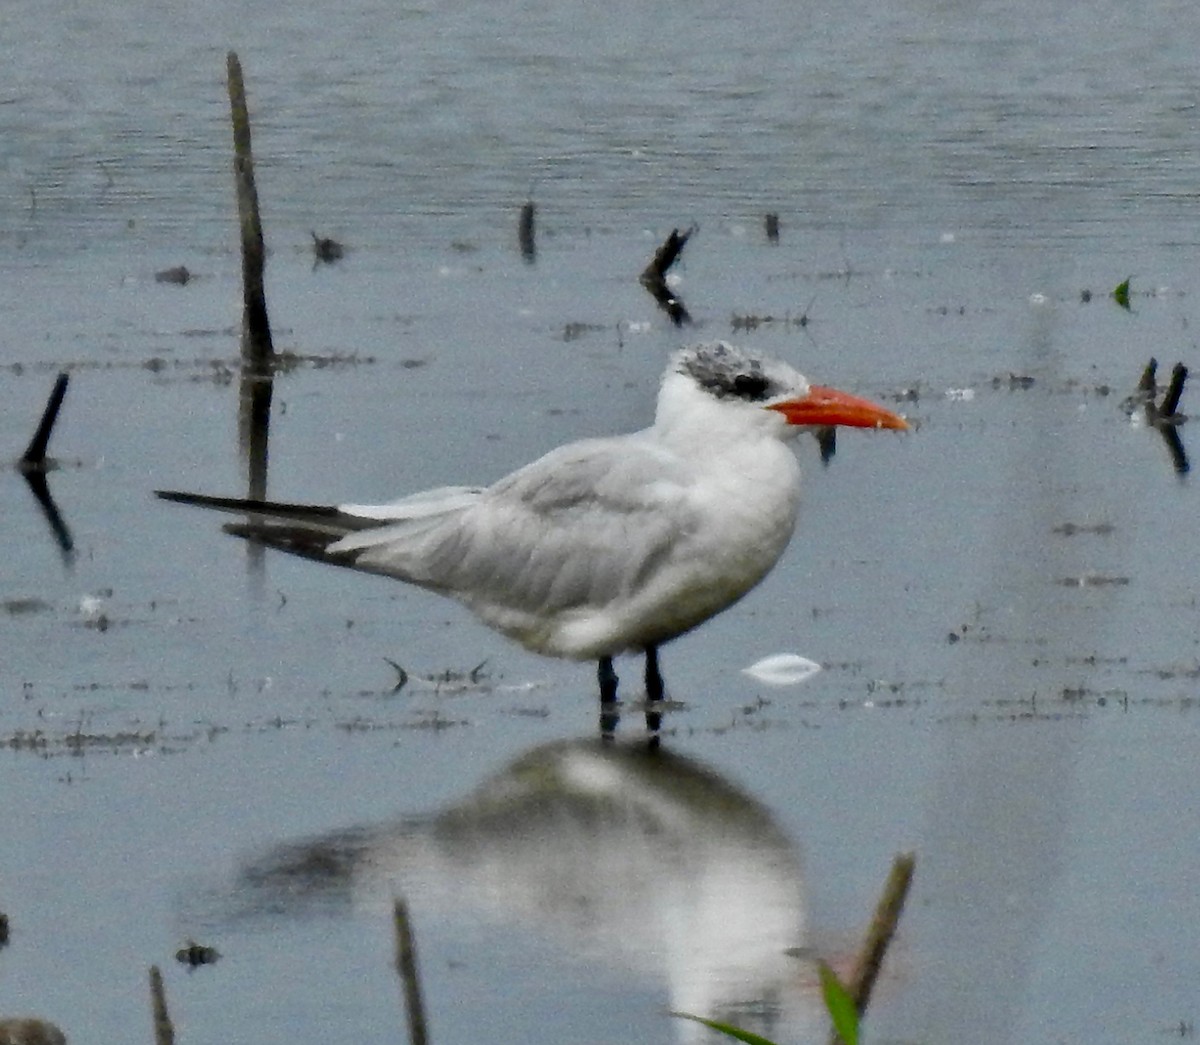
x=1093, y=580
x=448, y=681
x=1014, y=382
x=193, y=955
x=327, y=250
x=179, y=275
x=1071, y=529
x=574, y=331
x=739, y=321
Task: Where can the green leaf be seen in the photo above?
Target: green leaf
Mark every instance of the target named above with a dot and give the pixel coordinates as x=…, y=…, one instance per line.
x=840, y=1005
x=1121, y=295
x=728, y=1028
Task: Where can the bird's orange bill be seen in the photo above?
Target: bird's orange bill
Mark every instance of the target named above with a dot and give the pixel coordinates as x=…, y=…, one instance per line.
x=828, y=406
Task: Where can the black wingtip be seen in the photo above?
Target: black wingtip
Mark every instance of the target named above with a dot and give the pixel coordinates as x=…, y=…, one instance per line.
x=205, y=500
x=230, y=504
x=252, y=507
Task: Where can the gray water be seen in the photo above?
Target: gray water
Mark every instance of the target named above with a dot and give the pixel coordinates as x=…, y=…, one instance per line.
x=206, y=744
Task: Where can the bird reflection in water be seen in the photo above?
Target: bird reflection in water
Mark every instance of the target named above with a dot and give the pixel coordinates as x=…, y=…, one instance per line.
x=629, y=856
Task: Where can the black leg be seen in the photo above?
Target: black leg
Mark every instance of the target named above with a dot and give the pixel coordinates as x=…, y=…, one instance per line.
x=609, y=716
x=654, y=690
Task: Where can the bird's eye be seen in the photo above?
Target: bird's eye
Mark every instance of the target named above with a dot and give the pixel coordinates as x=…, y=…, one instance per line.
x=750, y=386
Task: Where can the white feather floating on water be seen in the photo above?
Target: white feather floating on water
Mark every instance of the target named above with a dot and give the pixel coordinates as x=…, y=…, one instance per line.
x=782, y=669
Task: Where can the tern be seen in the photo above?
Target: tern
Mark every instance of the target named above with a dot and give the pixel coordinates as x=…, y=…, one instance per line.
x=605, y=545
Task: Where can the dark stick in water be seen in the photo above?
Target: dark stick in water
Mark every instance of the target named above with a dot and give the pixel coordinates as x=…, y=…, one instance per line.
x=525, y=231
x=34, y=458
x=258, y=346
x=654, y=276
x=1170, y=401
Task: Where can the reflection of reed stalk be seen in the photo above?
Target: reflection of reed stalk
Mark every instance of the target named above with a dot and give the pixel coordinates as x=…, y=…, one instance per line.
x=406, y=966
x=164, y=1030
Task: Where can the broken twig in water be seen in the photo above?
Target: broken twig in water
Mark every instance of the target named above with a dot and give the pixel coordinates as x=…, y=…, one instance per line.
x=1147, y=384
x=34, y=464
x=406, y=966
x=666, y=256
x=257, y=347
x=34, y=458
x=654, y=276
x=1170, y=403
x=164, y=1030
x=1164, y=417
x=879, y=935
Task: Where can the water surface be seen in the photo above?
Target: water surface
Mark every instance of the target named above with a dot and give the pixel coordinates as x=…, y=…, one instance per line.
x=1004, y=602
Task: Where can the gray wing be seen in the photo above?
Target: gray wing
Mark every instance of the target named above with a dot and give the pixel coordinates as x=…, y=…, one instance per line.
x=582, y=526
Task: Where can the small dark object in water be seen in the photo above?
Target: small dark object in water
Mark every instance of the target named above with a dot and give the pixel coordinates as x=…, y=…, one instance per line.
x=827, y=441
x=771, y=224
x=401, y=675
x=179, y=275
x=327, y=250
x=1013, y=381
x=195, y=954
x=3, y=928
x=525, y=231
